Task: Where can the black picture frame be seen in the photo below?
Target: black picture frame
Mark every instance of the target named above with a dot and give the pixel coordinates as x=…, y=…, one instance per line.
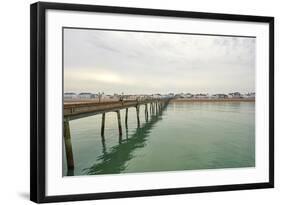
x=38, y=100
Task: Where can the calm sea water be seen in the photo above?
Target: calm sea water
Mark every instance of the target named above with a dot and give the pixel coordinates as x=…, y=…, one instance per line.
x=184, y=136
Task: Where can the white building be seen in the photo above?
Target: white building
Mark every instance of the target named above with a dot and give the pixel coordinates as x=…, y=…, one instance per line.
x=219, y=96
x=94, y=96
x=85, y=95
x=235, y=95
x=108, y=97
x=201, y=96
x=156, y=96
x=69, y=96
x=250, y=95
x=130, y=97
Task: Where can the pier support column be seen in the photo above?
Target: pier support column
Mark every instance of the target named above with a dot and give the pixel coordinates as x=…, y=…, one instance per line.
x=138, y=114
x=68, y=145
x=119, y=122
x=158, y=110
x=103, y=145
x=150, y=108
x=146, y=113
x=126, y=118
x=102, y=124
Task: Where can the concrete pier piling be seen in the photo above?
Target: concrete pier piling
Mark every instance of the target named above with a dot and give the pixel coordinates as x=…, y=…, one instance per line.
x=146, y=113
x=68, y=145
x=102, y=124
x=119, y=122
x=138, y=114
x=126, y=118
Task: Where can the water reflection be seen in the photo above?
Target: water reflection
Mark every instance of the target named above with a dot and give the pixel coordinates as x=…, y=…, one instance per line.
x=115, y=160
x=103, y=145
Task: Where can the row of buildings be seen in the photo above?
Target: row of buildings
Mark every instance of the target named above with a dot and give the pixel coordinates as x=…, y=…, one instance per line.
x=87, y=95
x=236, y=95
x=73, y=96
x=99, y=96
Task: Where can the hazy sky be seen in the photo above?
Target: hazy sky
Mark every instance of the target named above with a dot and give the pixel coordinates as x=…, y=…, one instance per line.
x=145, y=63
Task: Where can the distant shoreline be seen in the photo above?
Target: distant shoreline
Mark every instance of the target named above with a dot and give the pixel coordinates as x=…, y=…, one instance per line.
x=213, y=100
x=87, y=101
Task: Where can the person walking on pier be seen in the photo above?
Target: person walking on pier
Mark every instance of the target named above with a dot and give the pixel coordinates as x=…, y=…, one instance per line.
x=121, y=99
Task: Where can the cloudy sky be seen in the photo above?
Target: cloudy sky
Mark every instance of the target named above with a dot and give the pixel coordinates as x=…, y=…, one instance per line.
x=146, y=63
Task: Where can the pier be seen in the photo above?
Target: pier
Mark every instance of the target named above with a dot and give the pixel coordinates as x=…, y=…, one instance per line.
x=78, y=110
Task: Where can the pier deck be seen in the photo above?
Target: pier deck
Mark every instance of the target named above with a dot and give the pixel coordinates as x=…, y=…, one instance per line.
x=76, y=110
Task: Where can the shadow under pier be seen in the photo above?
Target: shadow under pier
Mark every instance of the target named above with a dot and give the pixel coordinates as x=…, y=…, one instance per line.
x=114, y=161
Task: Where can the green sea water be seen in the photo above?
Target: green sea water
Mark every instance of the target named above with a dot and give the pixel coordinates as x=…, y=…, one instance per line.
x=183, y=136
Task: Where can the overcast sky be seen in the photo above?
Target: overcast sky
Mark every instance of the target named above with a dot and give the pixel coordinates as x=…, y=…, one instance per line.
x=146, y=63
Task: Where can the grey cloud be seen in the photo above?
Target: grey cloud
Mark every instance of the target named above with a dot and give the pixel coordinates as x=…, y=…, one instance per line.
x=155, y=59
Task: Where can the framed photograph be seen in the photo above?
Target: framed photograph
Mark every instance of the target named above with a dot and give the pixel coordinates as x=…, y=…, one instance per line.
x=129, y=102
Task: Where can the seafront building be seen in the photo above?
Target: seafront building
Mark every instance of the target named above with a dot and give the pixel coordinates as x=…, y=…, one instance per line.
x=70, y=95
